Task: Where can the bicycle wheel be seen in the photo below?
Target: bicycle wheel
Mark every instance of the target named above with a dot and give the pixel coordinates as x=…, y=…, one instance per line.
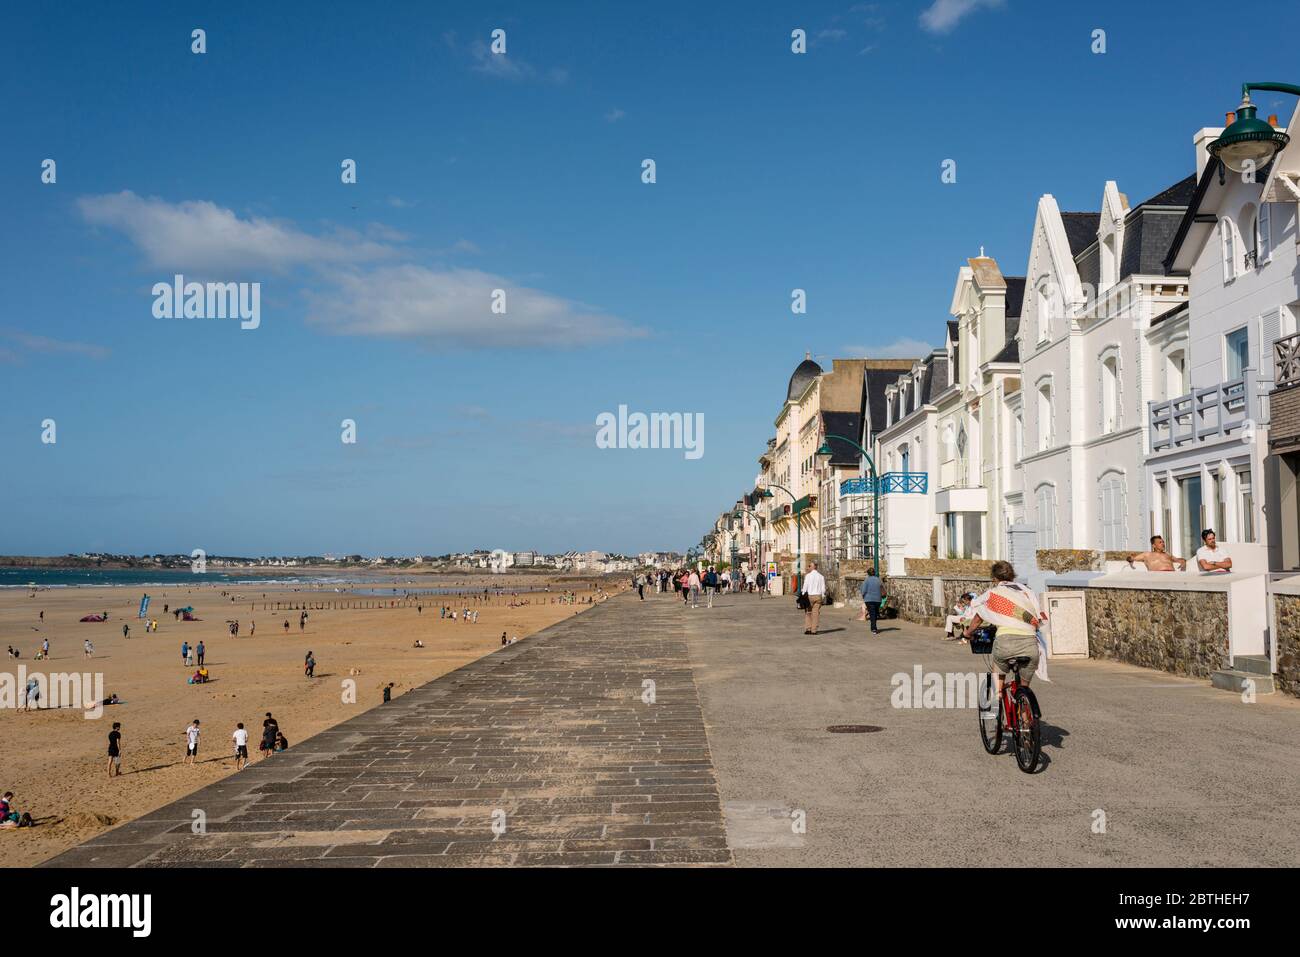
x=991, y=721
x=1027, y=734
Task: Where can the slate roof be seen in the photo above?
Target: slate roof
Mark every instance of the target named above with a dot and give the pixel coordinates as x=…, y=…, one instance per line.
x=804, y=373
x=848, y=424
x=1080, y=230
x=877, y=410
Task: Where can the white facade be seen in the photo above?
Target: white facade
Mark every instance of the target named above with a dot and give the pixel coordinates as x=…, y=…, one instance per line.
x=1086, y=378
x=1209, y=440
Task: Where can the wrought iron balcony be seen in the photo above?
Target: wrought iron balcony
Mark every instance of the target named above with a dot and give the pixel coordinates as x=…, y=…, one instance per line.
x=890, y=483
x=1286, y=361
x=1201, y=414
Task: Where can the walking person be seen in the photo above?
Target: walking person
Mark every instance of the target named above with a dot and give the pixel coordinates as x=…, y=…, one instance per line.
x=199, y=650
x=90, y=649
x=814, y=589
x=388, y=692
x=710, y=585
x=191, y=742
x=240, y=737
x=270, y=728
x=872, y=595
x=693, y=583
x=115, y=750
x=185, y=652
x=126, y=631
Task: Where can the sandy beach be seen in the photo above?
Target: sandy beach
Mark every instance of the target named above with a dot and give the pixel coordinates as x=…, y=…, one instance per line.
x=55, y=760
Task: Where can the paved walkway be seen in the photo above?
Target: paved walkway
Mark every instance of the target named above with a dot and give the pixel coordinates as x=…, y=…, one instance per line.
x=646, y=733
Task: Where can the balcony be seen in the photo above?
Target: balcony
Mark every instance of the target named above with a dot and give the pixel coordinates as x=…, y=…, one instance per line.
x=891, y=483
x=1286, y=362
x=1200, y=415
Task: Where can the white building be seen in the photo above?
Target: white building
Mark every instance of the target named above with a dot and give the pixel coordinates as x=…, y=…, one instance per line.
x=1095, y=281
x=1209, y=424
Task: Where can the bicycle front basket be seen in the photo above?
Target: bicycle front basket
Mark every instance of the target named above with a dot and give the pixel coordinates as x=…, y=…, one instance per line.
x=981, y=640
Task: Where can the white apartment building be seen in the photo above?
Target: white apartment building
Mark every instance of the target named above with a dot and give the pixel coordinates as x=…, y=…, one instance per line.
x=1209, y=422
x=1095, y=282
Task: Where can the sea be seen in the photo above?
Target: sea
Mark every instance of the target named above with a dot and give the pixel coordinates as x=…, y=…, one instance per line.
x=375, y=583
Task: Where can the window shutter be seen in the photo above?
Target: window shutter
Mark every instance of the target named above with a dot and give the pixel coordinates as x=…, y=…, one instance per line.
x=1265, y=232
x=1270, y=329
x=1225, y=249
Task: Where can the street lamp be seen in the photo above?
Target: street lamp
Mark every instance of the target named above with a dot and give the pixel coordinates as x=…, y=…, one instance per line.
x=1250, y=143
x=759, y=522
x=824, y=459
x=798, y=531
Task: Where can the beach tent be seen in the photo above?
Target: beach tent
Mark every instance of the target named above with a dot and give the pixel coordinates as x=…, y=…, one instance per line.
x=94, y=618
x=188, y=617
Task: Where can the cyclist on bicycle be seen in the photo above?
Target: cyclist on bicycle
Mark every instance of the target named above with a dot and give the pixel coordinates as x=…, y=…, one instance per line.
x=1012, y=608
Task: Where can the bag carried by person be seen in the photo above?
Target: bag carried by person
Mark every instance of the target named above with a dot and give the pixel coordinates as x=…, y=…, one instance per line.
x=803, y=601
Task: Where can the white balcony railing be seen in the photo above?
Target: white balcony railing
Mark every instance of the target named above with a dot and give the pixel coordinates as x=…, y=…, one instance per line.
x=1203, y=414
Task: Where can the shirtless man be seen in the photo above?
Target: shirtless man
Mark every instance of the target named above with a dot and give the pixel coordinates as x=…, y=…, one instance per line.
x=1158, y=560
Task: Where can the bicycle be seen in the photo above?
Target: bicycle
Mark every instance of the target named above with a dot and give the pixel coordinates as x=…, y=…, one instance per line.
x=1017, y=710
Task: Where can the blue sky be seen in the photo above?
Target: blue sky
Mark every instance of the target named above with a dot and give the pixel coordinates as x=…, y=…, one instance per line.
x=774, y=171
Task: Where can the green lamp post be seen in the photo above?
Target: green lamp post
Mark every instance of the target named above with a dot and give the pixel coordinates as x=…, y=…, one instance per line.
x=759, y=522
x=798, y=531
x=823, y=459
x=1249, y=143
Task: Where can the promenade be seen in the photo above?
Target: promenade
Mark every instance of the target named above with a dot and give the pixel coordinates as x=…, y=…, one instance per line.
x=645, y=733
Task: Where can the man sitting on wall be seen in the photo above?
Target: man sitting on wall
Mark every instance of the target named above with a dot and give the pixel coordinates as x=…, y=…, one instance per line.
x=1158, y=560
x=1210, y=557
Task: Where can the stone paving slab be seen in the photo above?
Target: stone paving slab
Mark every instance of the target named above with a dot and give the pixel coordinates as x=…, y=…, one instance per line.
x=544, y=753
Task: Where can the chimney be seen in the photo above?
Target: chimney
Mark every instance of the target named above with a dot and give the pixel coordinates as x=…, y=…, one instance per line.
x=1272, y=120
x=1200, y=140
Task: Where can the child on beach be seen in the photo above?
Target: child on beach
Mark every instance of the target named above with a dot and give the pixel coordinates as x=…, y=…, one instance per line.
x=240, y=737
x=90, y=649
x=191, y=742
x=281, y=743
x=9, y=817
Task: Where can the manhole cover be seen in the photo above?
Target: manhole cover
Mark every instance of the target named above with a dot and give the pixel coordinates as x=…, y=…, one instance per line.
x=854, y=728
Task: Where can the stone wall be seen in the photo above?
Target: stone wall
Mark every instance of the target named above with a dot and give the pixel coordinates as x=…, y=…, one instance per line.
x=913, y=596
x=1287, y=640
x=1062, y=560
x=945, y=567
x=1181, y=632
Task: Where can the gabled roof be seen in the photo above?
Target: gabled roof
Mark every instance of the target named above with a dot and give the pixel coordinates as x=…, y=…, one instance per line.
x=1015, y=295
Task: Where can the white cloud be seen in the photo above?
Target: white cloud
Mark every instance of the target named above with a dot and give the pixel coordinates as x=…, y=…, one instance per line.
x=943, y=15
x=349, y=288
x=201, y=237
x=509, y=67
x=49, y=346
x=898, y=349
x=614, y=115
x=834, y=35
x=451, y=308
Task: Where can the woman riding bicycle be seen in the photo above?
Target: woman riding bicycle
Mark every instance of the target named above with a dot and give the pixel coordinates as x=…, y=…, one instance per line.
x=1012, y=608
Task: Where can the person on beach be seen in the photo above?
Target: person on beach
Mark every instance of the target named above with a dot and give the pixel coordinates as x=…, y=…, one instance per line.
x=191, y=742
x=115, y=750
x=1158, y=560
x=311, y=666
x=32, y=698
x=9, y=816
x=388, y=692
x=199, y=650
x=270, y=728
x=90, y=649
x=281, y=742
x=13, y=653
x=185, y=653
x=503, y=639
x=165, y=609
x=45, y=648
x=286, y=626
x=252, y=628
x=240, y=737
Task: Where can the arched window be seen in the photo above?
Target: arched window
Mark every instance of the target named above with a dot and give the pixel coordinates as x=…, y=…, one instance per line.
x=1176, y=383
x=1045, y=498
x=1045, y=417
x=1112, y=512
x=1043, y=311
x=1228, y=248
x=1110, y=394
